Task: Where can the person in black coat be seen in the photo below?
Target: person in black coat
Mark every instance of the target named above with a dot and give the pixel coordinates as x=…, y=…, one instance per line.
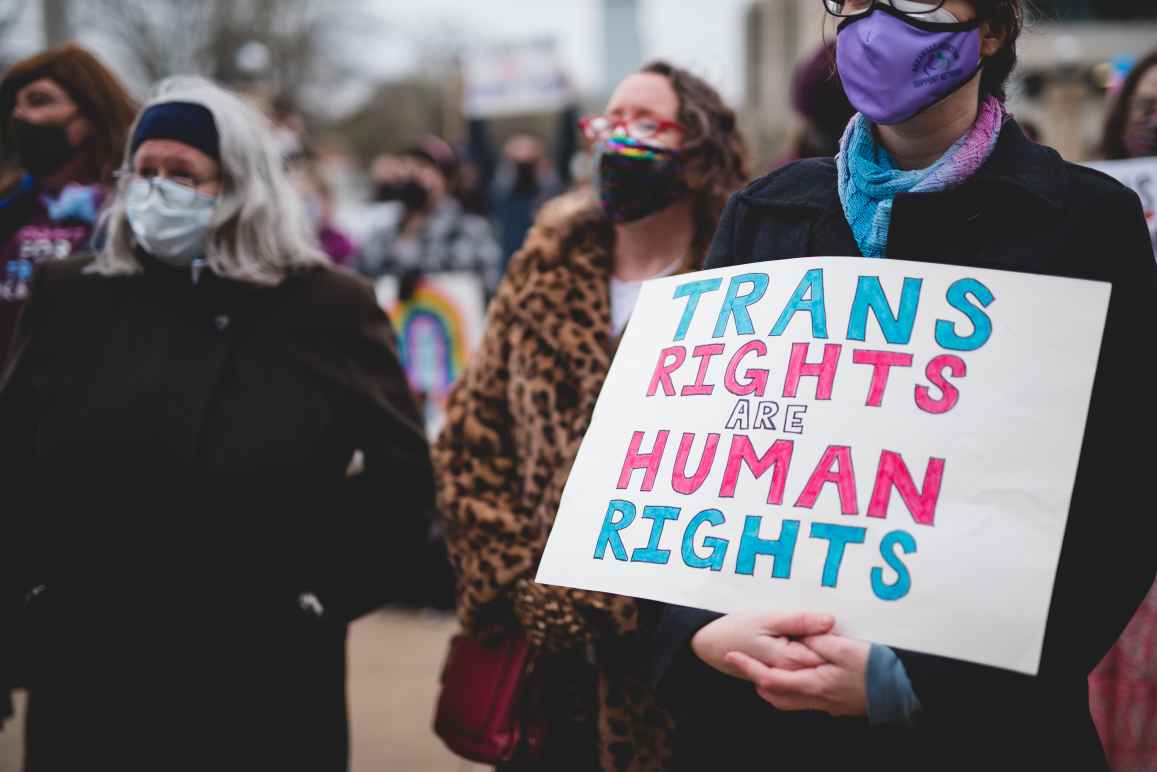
x=781, y=688
x=189, y=422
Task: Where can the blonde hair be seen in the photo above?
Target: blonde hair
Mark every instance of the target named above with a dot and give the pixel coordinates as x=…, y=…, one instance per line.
x=259, y=232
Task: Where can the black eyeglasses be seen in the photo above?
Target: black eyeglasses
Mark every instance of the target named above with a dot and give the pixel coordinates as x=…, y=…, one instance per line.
x=914, y=8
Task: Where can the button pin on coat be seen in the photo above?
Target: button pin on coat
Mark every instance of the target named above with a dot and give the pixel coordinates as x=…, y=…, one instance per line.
x=221, y=322
x=309, y=603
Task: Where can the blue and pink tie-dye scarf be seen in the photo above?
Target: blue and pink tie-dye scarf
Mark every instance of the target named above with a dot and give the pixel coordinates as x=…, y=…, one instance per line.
x=868, y=179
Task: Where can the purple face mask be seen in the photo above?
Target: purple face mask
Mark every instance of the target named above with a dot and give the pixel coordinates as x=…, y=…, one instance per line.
x=894, y=67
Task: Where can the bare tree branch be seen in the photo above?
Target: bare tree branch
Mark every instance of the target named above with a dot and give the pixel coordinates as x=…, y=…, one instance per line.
x=165, y=37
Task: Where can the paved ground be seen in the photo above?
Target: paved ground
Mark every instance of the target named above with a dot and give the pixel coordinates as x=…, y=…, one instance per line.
x=394, y=662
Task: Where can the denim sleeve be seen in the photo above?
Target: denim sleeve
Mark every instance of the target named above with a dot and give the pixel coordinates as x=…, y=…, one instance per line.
x=891, y=699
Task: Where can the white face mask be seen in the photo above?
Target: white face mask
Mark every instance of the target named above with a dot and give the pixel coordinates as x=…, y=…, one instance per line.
x=169, y=220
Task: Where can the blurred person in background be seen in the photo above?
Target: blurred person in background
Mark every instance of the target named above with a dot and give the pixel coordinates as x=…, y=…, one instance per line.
x=425, y=230
x=184, y=417
x=1123, y=688
x=65, y=119
x=522, y=178
x=668, y=154
x=318, y=199
x=942, y=175
x=1131, y=125
x=820, y=104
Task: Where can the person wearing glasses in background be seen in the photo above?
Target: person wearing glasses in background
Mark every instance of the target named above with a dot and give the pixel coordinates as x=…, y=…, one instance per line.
x=65, y=121
x=182, y=417
x=933, y=169
x=668, y=153
x=1131, y=124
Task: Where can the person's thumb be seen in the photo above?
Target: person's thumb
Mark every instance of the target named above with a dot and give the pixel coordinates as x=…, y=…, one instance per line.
x=800, y=624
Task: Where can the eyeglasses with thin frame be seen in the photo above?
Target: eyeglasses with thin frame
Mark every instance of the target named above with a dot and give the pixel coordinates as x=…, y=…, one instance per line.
x=596, y=127
x=183, y=193
x=914, y=8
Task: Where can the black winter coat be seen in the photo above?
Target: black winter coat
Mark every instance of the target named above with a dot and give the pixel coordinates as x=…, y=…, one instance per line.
x=180, y=531
x=1024, y=210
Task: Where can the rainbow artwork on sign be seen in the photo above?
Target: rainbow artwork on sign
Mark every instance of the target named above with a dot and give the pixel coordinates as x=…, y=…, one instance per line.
x=438, y=327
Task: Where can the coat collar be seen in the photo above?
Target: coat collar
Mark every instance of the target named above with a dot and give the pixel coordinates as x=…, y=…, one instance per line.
x=1016, y=162
x=563, y=286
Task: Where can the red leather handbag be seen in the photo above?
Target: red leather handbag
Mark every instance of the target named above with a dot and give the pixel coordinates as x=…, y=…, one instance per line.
x=489, y=708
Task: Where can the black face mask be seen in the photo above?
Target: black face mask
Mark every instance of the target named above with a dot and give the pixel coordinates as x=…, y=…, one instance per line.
x=526, y=177
x=410, y=193
x=41, y=148
x=635, y=179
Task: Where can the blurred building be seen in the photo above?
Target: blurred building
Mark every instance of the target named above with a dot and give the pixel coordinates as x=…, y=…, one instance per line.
x=1067, y=60
x=622, y=51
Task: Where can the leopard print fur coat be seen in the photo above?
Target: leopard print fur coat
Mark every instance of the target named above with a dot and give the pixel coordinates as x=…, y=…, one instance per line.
x=514, y=424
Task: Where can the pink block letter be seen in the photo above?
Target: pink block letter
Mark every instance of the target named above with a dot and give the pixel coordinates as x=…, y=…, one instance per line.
x=935, y=373
x=679, y=479
x=756, y=379
x=882, y=363
x=894, y=472
x=844, y=477
x=778, y=456
x=704, y=354
x=649, y=461
x=800, y=367
x=664, y=367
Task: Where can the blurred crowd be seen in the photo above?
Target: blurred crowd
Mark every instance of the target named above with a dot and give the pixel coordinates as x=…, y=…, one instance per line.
x=218, y=454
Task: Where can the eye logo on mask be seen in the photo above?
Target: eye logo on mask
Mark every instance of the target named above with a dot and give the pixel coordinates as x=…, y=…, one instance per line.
x=937, y=62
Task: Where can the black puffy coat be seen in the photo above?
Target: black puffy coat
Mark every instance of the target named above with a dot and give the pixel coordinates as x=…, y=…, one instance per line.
x=1024, y=210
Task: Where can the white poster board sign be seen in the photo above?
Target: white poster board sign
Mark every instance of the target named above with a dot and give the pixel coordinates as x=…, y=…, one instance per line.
x=439, y=325
x=1139, y=174
x=891, y=442
x=514, y=78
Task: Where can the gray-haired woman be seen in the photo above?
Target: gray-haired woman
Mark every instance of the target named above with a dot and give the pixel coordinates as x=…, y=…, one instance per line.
x=179, y=418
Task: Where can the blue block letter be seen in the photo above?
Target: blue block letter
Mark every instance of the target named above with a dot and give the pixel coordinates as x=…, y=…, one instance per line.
x=736, y=305
x=692, y=291
x=870, y=295
x=812, y=285
x=981, y=325
x=651, y=553
x=609, y=533
x=903, y=580
x=718, y=546
x=782, y=549
x=838, y=536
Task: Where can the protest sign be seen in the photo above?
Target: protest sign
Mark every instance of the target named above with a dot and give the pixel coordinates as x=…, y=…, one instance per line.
x=891, y=442
x=1139, y=174
x=514, y=78
x=438, y=327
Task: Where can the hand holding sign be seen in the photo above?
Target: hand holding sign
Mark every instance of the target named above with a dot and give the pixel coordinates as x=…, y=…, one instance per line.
x=837, y=687
x=766, y=637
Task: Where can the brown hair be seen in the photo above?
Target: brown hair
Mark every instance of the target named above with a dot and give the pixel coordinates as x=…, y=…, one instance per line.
x=714, y=147
x=97, y=92
x=1009, y=17
x=1113, y=136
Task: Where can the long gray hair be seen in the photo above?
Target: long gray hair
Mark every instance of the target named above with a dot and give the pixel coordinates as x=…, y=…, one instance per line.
x=259, y=232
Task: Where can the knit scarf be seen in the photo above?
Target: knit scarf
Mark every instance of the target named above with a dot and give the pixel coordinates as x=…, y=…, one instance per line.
x=868, y=179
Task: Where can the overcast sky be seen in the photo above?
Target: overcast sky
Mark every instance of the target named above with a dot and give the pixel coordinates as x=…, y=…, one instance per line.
x=704, y=35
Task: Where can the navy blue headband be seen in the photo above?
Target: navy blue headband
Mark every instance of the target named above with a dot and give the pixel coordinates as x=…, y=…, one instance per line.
x=185, y=122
